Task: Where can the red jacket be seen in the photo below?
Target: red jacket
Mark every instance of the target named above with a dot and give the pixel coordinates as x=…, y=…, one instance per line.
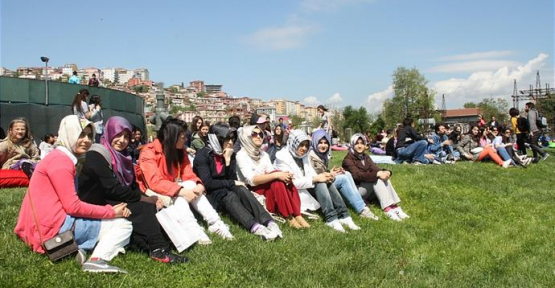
x=152, y=172
x=53, y=195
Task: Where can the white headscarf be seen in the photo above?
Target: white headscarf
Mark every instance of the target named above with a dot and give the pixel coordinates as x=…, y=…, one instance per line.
x=69, y=132
x=354, y=140
x=247, y=144
x=296, y=137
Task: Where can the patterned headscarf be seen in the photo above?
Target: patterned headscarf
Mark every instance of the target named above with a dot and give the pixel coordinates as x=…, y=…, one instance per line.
x=68, y=134
x=354, y=140
x=295, y=139
x=316, y=137
x=245, y=139
x=122, y=163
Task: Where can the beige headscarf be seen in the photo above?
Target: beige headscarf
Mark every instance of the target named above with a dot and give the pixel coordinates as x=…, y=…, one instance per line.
x=69, y=132
x=247, y=144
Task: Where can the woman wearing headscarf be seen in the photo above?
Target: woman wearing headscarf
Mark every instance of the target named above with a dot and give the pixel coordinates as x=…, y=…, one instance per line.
x=319, y=158
x=256, y=170
x=294, y=158
x=371, y=179
x=216, y=166
x=164, y=168
x=98, y=228
x=18, y=150
x=107, y=177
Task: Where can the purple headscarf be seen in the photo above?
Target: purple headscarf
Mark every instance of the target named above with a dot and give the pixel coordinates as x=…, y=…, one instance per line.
x=121, y=161
x=317, y=135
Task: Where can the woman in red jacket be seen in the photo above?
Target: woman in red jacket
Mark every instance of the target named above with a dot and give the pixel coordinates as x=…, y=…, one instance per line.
x=164, y=168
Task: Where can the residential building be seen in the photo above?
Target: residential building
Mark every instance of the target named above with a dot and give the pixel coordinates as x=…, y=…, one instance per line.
x=464, y=115
x=68, y=69
x=110, y=74
x=198, y=85
x=142, y=73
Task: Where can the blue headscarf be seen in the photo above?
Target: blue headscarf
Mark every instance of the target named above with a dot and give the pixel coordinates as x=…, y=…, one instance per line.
x=316, y=137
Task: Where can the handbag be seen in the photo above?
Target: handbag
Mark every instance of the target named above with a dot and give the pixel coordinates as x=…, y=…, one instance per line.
x=59, y=246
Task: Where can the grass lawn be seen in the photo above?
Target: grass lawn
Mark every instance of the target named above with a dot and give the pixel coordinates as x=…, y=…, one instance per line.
x=471, y=225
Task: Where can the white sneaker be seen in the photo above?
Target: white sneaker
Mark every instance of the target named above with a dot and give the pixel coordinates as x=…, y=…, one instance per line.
x=220, y=228
x=336, y=226
x=506, y=164
x=392, y=215
x=349, y=223
x=275, y=228
x=400, y=213
x=265, y=233
x=366, y=213
x=204, y=239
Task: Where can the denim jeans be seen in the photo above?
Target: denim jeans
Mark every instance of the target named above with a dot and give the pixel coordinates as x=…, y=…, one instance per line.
x=503, y=153
x=332, y=204
x=348, y=189
x=413, y=152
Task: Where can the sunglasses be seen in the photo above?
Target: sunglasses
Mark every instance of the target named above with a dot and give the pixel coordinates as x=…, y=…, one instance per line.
x=257, y=134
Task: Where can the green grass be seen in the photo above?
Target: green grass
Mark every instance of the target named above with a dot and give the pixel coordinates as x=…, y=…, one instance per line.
x=472, y=225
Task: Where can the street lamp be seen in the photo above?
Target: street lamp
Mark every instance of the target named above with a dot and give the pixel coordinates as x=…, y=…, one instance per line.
x=45, y=60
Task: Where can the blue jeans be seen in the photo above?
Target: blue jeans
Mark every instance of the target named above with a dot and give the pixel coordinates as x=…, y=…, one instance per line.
x=332, y=204
x=348, y=189
x=413, y=152
x=503, y=153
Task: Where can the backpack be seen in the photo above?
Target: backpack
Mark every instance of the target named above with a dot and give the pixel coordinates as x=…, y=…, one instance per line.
x=541, y=121
x=522, y=124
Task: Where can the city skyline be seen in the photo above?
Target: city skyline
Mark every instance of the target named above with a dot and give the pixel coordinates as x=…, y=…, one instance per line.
x=335, y=52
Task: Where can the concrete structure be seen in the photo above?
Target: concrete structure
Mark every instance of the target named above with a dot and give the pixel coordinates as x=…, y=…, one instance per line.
x=142, y=73
x=68, y=69
x=124, y=75
x=464, y=115
x=198, y=85
x=213, y=89
x=109, y=74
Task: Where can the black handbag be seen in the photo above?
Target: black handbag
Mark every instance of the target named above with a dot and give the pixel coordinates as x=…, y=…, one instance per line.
x=59, y=246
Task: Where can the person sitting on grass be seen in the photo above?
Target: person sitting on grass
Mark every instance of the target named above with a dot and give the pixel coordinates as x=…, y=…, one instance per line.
x=165, y=169
x=216, y=166
x=52, y=203
x=256, y=170
x=319, y=160
x=470, y=148
x=294, y=158
x=411, y=146
x=371, y=180
x=107, y=177
x=504, y=147
x=200, y=137
x=18, y=150
x=440, y=145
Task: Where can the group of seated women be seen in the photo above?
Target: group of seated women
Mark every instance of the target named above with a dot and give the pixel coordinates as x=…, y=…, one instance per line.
x=110, y=203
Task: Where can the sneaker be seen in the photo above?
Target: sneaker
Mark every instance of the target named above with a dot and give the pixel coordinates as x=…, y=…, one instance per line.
x=165, y=255
x=417, y=163
x=366, y=213
x=449, y=161
x=220, y=228
x=544, y=157
x=527, y=161
x=391, y=214
x=204, y=239
x=435, y=162
x=275, y=228
x=336, y=226
x=81, y=257
x=265, y=233
x=100, y=266
x=349, y=223
x=400, y=213
x=506, y=164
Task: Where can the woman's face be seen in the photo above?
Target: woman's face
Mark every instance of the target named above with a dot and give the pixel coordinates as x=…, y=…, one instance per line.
x=84, y=142
x=303, y=148
x=494, y=131
x=458, y=129
x=203, y=131
x=121, y=141
x=278, y=130
x=18, y=131
x=359, y=146
x=199, y=124
x=180, y=141
x=138, y=135
x=257, y=136
x=507, y=133
x=228, y=143
x=323, y=145
x=475, y=131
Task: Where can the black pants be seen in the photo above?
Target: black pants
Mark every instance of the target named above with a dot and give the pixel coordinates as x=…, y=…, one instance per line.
x=520, y=140
x=536, y=149
x=241, y=205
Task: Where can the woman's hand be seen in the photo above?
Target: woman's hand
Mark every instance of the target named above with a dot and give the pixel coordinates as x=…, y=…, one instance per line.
x=239, y=183
x=121, y=210
x=384, y=175
x=191, y=151
x=188, y=195
x=285, y=177
x=227, y=155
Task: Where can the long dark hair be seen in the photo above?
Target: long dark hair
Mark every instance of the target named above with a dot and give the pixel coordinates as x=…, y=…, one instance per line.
x=194, y=124
x=279, y=138
x=81, y=96
x=168, y=135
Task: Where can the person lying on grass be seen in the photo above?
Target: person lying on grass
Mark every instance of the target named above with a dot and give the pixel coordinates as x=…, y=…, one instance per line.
x=107, y=177
x=294, y=158
x=52, y=199
x=372, y=180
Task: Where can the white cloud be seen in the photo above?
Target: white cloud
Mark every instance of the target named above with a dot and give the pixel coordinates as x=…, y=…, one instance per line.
x=374, y=102
x=477, y=55
x=469, y=66
x=311, y=101
x=292, y=35
x=320, y=5
x=335, y=98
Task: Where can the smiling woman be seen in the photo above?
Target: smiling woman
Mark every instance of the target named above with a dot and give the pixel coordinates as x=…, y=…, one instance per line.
x=19, y=148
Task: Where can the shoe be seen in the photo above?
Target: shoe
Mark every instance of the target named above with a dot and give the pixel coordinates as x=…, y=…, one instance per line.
x=275, y=228
x=336, y=226
x=100, y=266
x=449, y=161
x=204, y=239
x=391, y=214
x=349, y=223
x=81, y=257
x=400, y=213
x=527, y=161
x=265, y=233
x=366, y=213
x=293, y=223
x=165, y=255
x=302, y=222
x=506, y=164
x=417, y=163
x=544, y=157
x=436, y=162
x=220, y=228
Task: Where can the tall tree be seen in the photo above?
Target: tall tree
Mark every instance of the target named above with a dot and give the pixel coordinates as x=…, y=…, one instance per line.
x=494, y=107
x=358, y=120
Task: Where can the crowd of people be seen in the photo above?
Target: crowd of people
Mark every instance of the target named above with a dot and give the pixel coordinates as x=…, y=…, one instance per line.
x=109, y=193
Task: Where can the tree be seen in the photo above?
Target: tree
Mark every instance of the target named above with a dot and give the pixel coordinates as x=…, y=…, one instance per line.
x=494, y=107
x=296, y=121
x=470, y=105
x=546, y=106
x=411, y=98
x=140, y=88
x=358, y=120
x=201, y=94
x=378, y=125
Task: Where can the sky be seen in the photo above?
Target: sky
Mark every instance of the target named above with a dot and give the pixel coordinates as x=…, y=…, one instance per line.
x=330, y=52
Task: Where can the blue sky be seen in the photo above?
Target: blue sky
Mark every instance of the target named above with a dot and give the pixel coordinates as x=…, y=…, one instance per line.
x=331, y=52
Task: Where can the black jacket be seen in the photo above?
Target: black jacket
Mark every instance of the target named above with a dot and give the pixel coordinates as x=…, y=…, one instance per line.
x=408, y=136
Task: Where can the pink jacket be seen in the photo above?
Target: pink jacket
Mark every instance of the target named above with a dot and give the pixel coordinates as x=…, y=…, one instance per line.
x=53, y=194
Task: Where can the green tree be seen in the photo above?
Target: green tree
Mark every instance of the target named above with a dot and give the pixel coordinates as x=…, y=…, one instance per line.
x=140, y=88
x=470, y=105
x=494, y=107
x=377, y=125
x=411, y=97
x=296, y=120
x=547, y=107
x=358, y=120
x=201, y=94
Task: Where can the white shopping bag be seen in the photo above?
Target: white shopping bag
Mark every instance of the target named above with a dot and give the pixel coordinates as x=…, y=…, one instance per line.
x=182, y=228
x=308, y=203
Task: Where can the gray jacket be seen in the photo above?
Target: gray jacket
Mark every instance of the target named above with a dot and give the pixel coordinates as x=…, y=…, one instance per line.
x=532, y=117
